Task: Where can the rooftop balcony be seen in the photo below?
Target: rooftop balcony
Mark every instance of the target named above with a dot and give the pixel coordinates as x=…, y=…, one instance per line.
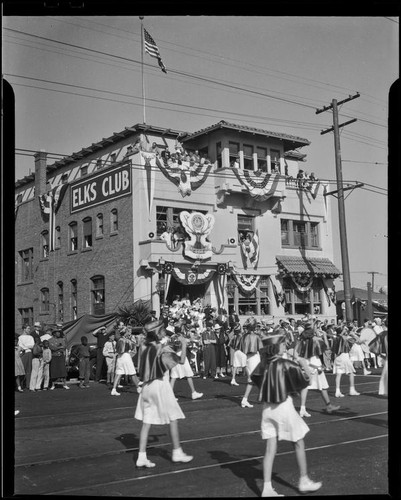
x=259, y=185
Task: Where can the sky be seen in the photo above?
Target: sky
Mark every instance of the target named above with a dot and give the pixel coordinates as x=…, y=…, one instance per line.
x=78, y=80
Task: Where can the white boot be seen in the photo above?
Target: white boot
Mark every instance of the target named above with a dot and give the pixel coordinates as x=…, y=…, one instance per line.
x=180, y=456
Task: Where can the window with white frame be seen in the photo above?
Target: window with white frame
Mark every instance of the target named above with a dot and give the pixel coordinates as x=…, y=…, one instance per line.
x=114, y=220
x=74, y=299
x=45, y=244
x=26, y=316
x=98, y=295
x=73, y=230
x=245, y=227
x=99, y=225
x=261, y=154
x=87, y=232
x=60, y=301
x=44, y=300
x=248, y=157
x=233, y=152
x=275, y=160
x=26, y=265
x=57, y=238
x=296, y=233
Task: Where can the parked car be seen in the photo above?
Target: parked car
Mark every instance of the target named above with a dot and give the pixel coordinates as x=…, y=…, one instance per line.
x=73, y=362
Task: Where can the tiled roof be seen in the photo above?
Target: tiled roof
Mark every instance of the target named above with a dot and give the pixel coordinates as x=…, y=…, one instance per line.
x=295, y=140
x=300, y=265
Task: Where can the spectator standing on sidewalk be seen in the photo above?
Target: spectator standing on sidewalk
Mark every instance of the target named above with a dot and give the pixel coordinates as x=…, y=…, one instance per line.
x=101, y=337
x=19, y=370
x=82, y=352
x=58, y=368
x=26, y=343
x=37, y=365
x=110, y=354
x=47, y=357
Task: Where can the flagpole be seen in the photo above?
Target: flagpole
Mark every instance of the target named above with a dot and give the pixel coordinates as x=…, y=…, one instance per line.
x=143, y=78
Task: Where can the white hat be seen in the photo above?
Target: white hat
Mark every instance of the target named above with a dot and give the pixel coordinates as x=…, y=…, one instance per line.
x=217, y=326
x=37, y=323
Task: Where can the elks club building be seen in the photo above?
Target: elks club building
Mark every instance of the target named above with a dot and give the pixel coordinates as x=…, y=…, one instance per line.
x=226, y=220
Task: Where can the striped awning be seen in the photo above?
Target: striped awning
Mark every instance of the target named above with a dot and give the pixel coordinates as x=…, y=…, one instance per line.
x=294, y=265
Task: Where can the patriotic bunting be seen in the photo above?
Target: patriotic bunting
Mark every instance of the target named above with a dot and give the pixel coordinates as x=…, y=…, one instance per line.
x=250, y=250
x=246, y=282
x=260, y=186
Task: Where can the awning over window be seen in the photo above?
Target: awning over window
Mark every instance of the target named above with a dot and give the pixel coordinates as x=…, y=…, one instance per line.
x=313, y=266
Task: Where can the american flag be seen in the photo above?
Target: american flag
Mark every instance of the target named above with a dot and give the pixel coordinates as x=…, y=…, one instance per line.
x=49, y=204
x=254, y=254
x=153, y=50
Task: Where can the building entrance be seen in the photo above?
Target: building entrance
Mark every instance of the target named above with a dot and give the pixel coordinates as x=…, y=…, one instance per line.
x=176, y=288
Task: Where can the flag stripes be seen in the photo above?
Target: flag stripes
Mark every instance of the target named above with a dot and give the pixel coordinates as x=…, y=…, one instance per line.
x=152, y=49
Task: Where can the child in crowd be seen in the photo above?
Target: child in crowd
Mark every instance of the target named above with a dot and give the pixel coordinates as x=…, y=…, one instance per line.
x=277, y=378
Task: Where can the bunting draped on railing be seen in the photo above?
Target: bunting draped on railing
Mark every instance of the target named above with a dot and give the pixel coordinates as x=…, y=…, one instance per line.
x=49, y=204
x=187, y=176
x=246, y=282
x=260, y=185
x=302, y=282
x=192, y=277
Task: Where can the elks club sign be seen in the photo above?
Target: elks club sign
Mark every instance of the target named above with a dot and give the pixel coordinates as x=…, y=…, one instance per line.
x=107, y=186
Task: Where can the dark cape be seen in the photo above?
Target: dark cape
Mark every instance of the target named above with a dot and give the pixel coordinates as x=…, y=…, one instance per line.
x=309, y=345
x=379, y=345
x=154, y=360
x=278, y=378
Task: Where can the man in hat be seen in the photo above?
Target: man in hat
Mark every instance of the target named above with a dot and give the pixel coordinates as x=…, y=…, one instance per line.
x=276, y=379
x=156, y=403
x=102, y=337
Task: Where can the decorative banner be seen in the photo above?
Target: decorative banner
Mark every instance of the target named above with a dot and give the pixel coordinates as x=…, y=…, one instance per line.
x=246, y=282
x=302, y=282
x=190, y=277
x=330, y=294
x=219, y=288
x=96, y=189
x=260, y=186
x=168, y=267
x=278, y=295
x=188, y=176
x=198, y=227
x=149, y=178
x=49, y=204
x=250, y=250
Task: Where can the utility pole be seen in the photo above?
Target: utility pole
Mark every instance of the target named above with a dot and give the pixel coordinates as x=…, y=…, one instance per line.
x=341, y=205
x=373, y=278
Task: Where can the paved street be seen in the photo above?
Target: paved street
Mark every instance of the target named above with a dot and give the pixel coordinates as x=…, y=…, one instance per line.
x=85, y=442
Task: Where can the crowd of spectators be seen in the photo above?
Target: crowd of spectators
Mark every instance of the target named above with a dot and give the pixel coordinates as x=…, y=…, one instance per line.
x=215, y=343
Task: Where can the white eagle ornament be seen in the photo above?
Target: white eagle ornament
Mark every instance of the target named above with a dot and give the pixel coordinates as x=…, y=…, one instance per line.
x=198, y=226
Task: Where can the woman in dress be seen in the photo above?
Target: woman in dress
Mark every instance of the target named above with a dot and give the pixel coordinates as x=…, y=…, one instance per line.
x=379, y=346
x=19, y=370
x=239, y=357
x=124, y=364
x=342, y=361
x=58, y=369
x=157, y=404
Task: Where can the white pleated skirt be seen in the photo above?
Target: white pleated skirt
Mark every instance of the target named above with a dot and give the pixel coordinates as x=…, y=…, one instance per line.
x=282, y=421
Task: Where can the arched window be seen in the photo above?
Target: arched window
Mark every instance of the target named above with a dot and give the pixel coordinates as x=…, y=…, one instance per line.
x=73, y=229
x=74, y=299
x=98, y=295
x=60, y=301
x=57, y=237
x=99, y=225
x=114, y=220
x=87, y=232
x=45, y=244
x=44, y=300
